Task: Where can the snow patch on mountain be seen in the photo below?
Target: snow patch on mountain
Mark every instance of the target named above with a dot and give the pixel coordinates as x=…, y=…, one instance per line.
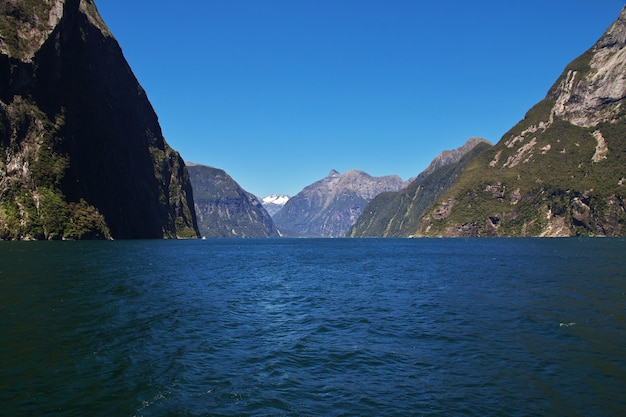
x=277, y=199
x=273, y=203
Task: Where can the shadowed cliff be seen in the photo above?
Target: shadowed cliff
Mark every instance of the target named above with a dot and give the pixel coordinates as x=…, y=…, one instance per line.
x=79, y=136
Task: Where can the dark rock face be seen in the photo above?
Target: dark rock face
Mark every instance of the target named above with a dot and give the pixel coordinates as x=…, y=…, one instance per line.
x=224, y=209
x=78, y=128
x=329, y=207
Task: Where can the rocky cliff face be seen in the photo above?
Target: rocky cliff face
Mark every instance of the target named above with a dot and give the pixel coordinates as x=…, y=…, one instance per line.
x=329, y=207
x=224, y=209
x=82, y=154
x=560, y=171
x=593, y=88
x=396, y=214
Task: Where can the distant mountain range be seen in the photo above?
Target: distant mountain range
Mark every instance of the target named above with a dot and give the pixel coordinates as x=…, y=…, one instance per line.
x=273, y=203
x=329, y=207
x=224, y=209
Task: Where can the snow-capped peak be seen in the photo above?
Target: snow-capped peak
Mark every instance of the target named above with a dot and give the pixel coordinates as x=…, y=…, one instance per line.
x=277, y=199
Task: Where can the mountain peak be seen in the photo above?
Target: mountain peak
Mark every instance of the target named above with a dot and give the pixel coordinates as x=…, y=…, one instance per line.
x=330, y=206
x=452, y=156
x=26, y=25
x=616, y=33
x=278, y=199
x=273, y=203
x=592, y=89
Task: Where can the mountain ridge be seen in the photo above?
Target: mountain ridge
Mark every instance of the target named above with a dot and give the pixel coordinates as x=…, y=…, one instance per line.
x=329, y=207
x=450, y=156
x=395, y=214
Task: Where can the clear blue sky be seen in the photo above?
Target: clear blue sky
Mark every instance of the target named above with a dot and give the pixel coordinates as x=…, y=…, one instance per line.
x=279, y=92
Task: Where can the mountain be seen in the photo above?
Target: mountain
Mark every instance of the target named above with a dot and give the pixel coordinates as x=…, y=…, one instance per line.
x=82, y=154
x=396, y=214
x=449, y=157
x=329, y=207
x=561, y=171
x=224, y=209
x=273, y=203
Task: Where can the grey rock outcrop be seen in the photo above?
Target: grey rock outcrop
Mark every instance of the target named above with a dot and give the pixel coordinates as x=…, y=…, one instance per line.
x=593, y=90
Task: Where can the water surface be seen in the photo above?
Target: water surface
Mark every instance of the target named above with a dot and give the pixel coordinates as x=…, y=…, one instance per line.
x=315, y=327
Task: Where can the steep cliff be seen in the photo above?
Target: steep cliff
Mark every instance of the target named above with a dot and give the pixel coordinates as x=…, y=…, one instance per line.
x=396, y=214
x=329, y=207
x=561, y=171
x=224, y=209
x=82, y=154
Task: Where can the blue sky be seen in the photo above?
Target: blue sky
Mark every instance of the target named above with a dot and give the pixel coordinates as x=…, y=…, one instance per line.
x=279, y=92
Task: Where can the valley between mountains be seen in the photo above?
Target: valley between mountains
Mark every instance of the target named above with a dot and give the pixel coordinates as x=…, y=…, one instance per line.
x=82, y=156
x=561, y=171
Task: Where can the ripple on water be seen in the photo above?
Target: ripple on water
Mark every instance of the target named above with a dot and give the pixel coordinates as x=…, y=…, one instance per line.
x=314, y=328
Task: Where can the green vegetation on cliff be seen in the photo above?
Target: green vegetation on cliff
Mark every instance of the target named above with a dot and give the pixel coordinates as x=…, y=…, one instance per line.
x=397, y=214
x=32, y=205
x=553, y=187
x=23, y=23
x=561, y=171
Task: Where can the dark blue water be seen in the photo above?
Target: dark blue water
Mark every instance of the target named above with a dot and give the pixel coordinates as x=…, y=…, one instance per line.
x=491, y=327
